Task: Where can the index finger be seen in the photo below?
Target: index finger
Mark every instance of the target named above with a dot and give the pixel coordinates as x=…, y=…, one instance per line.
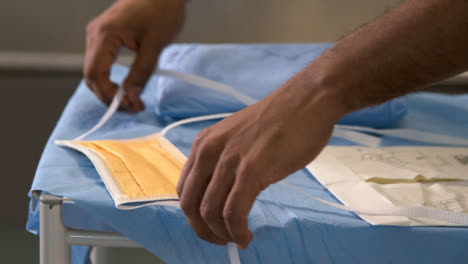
x=237, y=208
x=101, y=52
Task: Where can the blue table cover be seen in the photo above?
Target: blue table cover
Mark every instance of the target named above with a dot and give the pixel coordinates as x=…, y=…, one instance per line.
x=288, y=226
x=254, y=70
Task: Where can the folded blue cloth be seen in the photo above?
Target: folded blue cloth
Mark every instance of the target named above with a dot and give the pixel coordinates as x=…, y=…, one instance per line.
x=288, y=226
x=254, y=70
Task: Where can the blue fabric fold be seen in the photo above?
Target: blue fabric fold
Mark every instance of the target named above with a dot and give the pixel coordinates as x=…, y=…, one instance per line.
x=255, y=70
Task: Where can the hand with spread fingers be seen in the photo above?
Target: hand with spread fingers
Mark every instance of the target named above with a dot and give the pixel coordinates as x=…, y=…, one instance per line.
x=144, y=26
x=232, y=161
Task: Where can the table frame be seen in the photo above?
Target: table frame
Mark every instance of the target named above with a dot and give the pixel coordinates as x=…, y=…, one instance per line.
x=56, y=239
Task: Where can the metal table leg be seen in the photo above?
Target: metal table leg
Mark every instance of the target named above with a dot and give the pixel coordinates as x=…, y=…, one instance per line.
x=56, y=239
x=54, y=248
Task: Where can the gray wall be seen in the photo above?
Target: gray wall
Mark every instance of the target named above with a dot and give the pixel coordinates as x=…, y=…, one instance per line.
x=33, y=100
x=59, y=25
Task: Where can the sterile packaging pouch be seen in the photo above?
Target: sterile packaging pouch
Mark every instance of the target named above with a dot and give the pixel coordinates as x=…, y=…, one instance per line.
x=254, y=70
x=415, y=177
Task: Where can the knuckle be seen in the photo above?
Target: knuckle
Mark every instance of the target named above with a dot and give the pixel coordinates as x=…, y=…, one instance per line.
x=96, y=28
x=230, y=160
x=187, y=207
x=245, y=174
x=199, y=138
x=89, y=70
x=90, y=27
x=230, y=216
x=244, y=170
x=102, y=28
x=259, y=185
x=206, y=145
x=89, y=84
x=211, y=215
x=226, y=167
x=90, y=74
x=206, y=150
x=179, y=190
x=277, y=132
x=207, y=135
x=207, y=213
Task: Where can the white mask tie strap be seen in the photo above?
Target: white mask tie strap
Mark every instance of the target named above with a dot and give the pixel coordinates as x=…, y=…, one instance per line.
x=189, y=78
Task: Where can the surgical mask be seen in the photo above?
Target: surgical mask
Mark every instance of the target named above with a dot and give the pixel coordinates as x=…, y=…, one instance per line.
x=135, y=171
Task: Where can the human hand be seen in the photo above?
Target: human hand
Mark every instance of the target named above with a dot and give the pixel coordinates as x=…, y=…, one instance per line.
x=232, y=161
x=144, y=26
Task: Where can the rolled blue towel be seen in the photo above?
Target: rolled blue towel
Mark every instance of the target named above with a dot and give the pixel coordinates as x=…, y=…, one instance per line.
x=255, y=70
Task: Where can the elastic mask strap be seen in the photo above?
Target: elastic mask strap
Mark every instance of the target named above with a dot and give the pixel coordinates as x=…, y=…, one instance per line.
x=233, y=253
x=186, y=77
x=356, y=137
x=108, y=114
x=206, y=83
x=192, y=120
x=354, y=133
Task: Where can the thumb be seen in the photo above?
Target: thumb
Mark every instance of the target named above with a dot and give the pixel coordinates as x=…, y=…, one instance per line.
x=141, y=70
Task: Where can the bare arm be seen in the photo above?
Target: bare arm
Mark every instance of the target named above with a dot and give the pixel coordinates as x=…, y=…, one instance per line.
x=144, y=26
x=420, y=42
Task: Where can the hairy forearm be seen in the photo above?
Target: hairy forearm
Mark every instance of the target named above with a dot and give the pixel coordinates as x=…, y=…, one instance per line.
x=416, y=44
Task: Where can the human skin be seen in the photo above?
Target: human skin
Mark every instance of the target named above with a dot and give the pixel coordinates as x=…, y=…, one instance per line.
x=144, y=26
x=231, y=162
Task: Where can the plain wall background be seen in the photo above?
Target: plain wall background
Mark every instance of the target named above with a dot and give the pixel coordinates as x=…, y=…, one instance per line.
x=59, y=25
x=33, y=99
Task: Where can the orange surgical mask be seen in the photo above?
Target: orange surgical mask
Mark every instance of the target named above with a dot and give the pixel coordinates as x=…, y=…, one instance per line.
x=135, y=171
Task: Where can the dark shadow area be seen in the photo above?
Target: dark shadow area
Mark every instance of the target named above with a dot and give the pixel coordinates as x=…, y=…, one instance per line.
x=448, y=89
x=18, y=246
x=31, y=105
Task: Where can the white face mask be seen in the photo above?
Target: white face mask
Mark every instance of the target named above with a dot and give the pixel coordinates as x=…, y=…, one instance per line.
x=375, y=202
